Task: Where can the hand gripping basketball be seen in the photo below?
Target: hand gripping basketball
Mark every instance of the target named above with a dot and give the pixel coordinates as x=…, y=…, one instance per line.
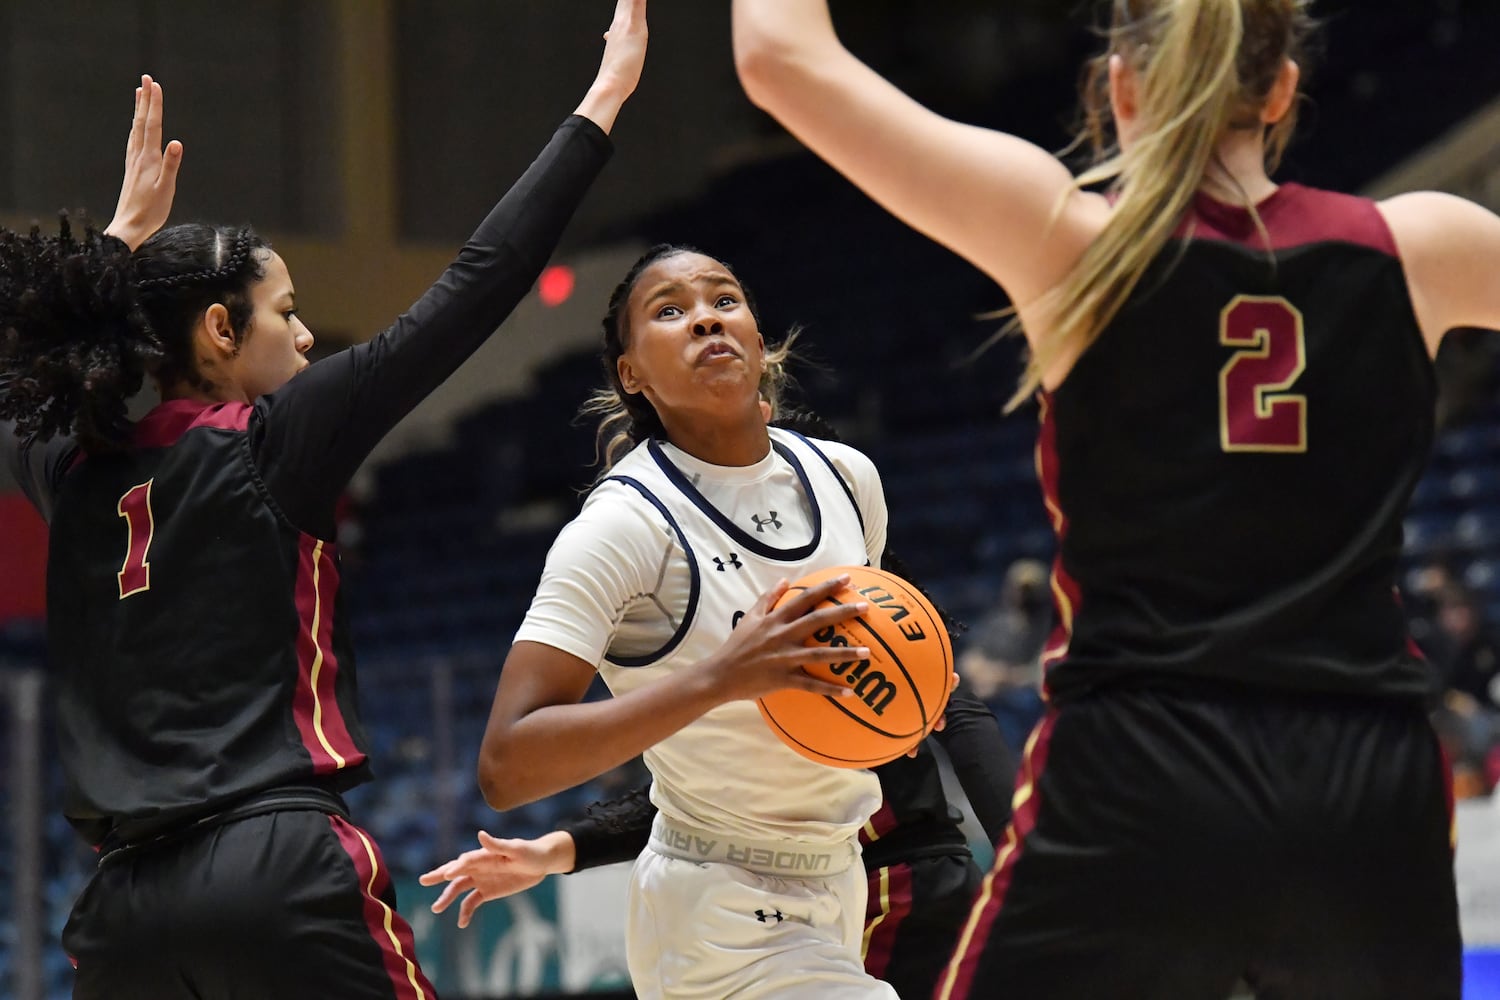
x=770, y=646
x=894, y=656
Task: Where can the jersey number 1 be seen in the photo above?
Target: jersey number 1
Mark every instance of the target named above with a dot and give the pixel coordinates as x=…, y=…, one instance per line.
x=135, y=508
x=1256, y=413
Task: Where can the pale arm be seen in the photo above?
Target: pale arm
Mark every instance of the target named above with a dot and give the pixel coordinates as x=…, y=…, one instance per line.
x=620, y=68
x=1450, y=249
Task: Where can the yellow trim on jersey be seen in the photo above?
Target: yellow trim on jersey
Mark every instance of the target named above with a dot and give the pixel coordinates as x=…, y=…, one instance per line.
x=317, y=665
x=1064, y=604
x=390, y=915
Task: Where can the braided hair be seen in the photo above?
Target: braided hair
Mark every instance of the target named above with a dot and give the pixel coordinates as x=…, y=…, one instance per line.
x=82, y=322
x=626, y=419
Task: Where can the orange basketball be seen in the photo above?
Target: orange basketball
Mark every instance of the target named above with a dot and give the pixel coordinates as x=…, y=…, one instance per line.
x=900, y=690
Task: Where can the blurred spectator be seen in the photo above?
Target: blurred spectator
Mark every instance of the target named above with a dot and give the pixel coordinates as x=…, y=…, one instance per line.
x=1469, y=650
x=1468, y=737
x=1466, y=658
x=1424, y=585
x=1001, y=659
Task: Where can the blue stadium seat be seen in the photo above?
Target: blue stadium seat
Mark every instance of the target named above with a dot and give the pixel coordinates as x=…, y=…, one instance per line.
x=1426, y=533
x=1478, y=530
x=1475, y=484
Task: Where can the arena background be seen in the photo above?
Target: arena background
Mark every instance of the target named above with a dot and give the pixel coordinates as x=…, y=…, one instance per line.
x=366, y=137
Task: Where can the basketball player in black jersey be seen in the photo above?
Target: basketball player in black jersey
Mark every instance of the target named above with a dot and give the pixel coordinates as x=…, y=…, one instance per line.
x=921, y=874
x=1236, y=775
x=198, y=641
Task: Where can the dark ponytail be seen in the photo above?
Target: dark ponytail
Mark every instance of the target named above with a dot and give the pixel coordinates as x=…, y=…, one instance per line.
x=74, y=342
x=82, y=322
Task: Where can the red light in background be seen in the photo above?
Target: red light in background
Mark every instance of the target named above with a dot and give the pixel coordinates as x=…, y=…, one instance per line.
x=555, y=285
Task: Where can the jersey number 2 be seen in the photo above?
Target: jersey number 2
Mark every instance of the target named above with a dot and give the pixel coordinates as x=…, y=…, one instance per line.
x=1256, y=413
x=140, y=523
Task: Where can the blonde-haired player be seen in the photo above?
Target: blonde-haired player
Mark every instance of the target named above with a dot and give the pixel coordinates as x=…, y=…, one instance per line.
x=1236, y=775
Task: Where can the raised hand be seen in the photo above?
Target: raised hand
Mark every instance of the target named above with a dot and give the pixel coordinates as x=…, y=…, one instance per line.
x=498, y=868
x=150, y=171
x=765, y=652
x=620, y=68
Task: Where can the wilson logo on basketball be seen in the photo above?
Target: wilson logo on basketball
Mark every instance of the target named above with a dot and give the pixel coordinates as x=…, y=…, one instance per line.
x=870, y=685
x=900, y=688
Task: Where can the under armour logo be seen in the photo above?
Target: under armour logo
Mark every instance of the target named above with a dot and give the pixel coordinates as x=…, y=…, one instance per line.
x=734, y=560
x=761, y=522
x=766, y=918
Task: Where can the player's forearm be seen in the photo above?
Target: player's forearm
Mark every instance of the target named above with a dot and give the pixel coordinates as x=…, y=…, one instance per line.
x=983, y=764
x=558, y=747
x=602, y=104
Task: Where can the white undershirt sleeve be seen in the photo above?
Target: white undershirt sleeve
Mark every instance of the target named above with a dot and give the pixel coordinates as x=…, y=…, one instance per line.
x=605, y=560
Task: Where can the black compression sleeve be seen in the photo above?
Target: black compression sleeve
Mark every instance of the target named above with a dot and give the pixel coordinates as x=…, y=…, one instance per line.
x=611, y=831
x=36, y=466
x=310, y=436
x=984, y=765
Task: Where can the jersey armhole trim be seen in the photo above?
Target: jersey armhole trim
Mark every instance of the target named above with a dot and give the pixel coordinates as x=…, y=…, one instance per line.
x=693, y=586
x=858, y=514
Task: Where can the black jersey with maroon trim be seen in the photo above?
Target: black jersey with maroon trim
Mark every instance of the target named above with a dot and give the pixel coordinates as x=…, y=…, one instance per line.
x=196, y=632
x=229, y=664
x=1227, y=466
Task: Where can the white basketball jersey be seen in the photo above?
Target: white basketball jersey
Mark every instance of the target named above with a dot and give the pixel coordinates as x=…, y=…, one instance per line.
x=727, y=771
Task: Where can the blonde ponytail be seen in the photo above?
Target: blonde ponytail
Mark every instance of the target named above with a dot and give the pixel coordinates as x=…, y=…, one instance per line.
x=1193, y=82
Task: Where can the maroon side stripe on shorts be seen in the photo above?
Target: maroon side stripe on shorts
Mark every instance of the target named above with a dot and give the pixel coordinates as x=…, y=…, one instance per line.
x=960, y=972
x=890, y=902
x=391, y=933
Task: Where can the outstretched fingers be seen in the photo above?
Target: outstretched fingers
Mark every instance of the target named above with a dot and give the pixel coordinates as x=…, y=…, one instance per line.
x=150, y=181
x=466, y=909
x=171, y=162
x=151, y=139
x=137, y=136
x=450, y=892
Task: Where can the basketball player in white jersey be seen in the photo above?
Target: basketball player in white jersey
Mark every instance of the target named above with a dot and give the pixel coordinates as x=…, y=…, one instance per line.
x=665, y=584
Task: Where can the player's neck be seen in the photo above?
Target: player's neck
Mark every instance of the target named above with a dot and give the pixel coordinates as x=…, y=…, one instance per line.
x=210, y=393
x=1238, y=169
x=734, y=446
